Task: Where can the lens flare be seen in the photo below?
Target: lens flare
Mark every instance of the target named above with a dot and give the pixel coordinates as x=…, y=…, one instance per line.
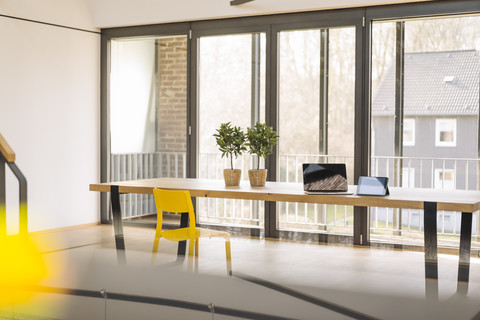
x=21, y=269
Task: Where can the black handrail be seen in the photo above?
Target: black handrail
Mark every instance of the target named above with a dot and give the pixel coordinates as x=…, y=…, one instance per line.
x=22, y=181
x=210, y=308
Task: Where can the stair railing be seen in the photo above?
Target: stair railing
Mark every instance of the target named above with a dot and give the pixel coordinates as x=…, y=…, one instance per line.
x=7, y=157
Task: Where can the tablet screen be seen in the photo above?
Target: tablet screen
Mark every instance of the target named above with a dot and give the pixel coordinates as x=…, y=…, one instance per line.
x=372, y=186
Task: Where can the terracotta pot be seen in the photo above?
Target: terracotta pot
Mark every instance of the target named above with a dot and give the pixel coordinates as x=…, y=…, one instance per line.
x=257, y=177
x=232, y=177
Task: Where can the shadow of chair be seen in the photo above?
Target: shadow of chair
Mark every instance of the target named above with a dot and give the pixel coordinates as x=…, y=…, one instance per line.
x=179, y=201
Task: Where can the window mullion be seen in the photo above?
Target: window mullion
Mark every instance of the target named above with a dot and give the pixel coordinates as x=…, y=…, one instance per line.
x=323, y=121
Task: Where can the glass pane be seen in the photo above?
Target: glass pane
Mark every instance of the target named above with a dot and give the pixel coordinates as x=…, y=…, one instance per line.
x=383, y=93
x=231, y=89
x=316, y=112
x=148, y=112
x=440, y=108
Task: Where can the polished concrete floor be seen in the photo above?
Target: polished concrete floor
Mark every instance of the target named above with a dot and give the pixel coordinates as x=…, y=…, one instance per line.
x=271, y=280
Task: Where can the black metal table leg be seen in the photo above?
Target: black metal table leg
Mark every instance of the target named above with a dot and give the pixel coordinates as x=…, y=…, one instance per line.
x=117, y=224
x=464, y=256
x=182, y=245
x=430, y=238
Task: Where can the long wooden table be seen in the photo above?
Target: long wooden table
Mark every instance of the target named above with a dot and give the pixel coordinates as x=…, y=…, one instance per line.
x=429, y=200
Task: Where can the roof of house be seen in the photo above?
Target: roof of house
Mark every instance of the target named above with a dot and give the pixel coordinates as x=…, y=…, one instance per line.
x=436, y=83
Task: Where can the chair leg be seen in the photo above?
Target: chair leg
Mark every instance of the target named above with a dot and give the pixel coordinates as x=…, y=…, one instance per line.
x=191, y=244
x=154, y=251
x=229, y=257
x=197, y=247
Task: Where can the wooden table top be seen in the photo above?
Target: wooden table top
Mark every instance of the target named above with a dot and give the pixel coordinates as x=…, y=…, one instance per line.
x=413, y=198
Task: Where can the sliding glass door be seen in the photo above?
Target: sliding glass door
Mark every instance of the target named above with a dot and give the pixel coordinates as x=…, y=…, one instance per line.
x=316, y=104
x=231, y=88
x=388, y=90
x=425, y=114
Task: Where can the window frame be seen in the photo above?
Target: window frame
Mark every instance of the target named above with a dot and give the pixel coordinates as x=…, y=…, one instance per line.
x=362, y=17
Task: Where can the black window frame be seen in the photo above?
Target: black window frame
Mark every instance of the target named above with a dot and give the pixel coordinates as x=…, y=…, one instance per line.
x=360, y=17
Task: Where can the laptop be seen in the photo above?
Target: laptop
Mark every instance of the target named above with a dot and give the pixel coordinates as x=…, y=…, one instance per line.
x=325, y=178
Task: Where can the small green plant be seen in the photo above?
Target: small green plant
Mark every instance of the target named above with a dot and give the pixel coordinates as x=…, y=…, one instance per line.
x=260, y=140
x=230, y=141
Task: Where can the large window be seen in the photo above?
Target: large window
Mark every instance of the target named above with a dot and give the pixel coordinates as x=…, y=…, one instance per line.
x=425, y=97
x=316, y=117
x=148, y=113
x=231, y=88
x=425, y=111
x=386, y=91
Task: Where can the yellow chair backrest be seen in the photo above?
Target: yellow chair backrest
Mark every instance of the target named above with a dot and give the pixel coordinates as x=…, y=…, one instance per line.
x=175, y=201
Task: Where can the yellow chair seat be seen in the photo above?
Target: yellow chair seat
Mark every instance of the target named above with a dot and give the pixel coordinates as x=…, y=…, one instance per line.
x=182, y=234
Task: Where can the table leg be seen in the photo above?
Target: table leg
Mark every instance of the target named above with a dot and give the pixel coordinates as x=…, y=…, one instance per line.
x=430, y=238
x=117, y=224
x=464, y=256
x=182, y=245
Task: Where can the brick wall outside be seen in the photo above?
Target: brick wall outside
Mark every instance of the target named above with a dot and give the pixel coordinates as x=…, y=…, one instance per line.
x=172, y=83
x=172, y=109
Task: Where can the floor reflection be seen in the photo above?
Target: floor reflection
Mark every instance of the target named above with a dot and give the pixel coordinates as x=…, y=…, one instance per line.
x=375, y=283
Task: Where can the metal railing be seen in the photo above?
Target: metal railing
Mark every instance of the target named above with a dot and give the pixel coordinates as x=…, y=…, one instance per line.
x=7, y=157
x=134, y=166
x=422, y=172
x=228, y=211
x=312, y=216
x=199, y=309
x=417, y=172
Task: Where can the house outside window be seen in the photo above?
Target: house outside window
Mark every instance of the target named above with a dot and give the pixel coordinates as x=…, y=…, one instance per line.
x=446, y=132
x=409, y=132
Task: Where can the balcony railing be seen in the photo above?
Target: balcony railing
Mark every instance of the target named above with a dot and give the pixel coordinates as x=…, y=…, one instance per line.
x=134, y=166
x=421, y=172
x=417, y=172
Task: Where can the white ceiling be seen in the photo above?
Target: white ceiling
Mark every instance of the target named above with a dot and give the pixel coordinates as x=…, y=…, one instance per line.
x=93, y=14
x=112, y=13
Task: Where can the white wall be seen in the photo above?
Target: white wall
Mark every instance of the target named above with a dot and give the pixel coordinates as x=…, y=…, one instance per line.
x=114, y=13
x=49, y=110
x=72, y=13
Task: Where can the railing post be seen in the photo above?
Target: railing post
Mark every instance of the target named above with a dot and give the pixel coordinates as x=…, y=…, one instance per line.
x=22, y=183
x=397, y=182
x=3, y=207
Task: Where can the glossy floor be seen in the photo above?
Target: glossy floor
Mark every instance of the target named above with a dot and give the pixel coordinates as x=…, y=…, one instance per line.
x=276, y=279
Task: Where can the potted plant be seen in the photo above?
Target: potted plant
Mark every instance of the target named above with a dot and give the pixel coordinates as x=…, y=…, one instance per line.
x=231, y=142
x=260, y=140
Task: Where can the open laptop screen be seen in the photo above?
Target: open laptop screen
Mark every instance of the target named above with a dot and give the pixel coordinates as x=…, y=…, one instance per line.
x=319, y=177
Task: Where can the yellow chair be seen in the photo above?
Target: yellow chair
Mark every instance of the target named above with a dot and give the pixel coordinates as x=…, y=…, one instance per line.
x=177, y=201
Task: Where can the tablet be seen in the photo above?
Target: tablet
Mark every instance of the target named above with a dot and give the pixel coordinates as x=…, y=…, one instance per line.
x=372, y=186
